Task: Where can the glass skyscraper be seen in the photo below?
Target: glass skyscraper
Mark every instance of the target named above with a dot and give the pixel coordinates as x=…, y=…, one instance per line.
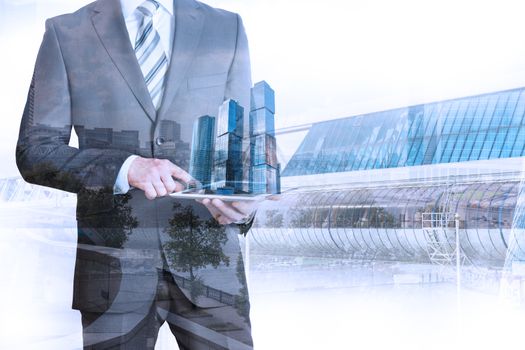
x=264, y=169
x=201, y=160
x=217, y=155
x=228, y=157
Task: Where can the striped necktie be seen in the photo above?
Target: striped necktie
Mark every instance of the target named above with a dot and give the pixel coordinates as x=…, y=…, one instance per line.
x=150, y=53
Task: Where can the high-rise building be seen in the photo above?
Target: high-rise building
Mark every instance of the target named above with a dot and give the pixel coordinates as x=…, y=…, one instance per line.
x=202, y=146
x=126, y=138
x=262, y=96
x=170, y=130
x=230, y=119
x=173, y=148
x=96, y=138
x=228, y=164
x=264, y=169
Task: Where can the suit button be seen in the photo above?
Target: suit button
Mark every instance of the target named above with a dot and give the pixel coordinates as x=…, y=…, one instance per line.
x=160, y=141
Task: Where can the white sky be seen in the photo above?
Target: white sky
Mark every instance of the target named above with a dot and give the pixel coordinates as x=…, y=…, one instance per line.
x=325, y=59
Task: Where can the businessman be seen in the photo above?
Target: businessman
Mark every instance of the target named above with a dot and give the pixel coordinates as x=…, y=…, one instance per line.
x=131, y=77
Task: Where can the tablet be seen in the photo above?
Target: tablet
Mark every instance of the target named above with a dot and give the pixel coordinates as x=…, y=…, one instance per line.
x=222, y=197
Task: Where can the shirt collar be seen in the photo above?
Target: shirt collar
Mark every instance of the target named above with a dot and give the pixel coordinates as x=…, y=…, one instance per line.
x=129, y=6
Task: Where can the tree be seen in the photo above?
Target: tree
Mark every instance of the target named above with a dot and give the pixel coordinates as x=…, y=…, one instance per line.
x=194, y=244
x=103, y=217
x=113, y=226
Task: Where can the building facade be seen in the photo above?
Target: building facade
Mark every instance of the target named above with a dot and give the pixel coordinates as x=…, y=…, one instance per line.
x=368, y=182
x=201, y=160
x=264, y=168
x=228, y=155
x=489, y=126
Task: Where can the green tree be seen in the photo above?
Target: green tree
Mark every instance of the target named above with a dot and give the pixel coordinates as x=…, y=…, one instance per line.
x=114, y=225
x=194, y=244
x=101, y=214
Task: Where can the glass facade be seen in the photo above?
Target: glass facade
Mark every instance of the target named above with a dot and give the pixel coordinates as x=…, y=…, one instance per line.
x=262, y=96
x=516, y=247
x=386, y=223
x=201, y=161
x=473, y=128
x=230, y=119
x=265, y=174
x=170, y=130
x=227, y=160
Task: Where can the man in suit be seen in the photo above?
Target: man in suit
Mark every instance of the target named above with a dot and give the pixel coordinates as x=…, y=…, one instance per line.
x=131, y=77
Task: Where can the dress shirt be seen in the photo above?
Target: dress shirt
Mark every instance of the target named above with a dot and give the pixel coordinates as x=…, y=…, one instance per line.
x=164, y=23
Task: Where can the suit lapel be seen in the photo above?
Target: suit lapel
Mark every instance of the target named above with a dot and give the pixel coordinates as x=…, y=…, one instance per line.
x=189, y=22
x=111, y=29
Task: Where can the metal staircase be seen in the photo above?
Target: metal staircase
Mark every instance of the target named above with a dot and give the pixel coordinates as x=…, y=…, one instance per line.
x=440, y=229
x=440, y=237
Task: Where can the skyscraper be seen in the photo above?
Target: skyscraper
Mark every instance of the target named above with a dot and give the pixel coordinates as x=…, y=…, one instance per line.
x=202, y=146
x=228, y=165
x=264, y=169
x=170, y=130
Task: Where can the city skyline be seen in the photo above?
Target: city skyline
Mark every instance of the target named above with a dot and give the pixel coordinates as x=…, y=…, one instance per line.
x=369, y=58
x=218, y=160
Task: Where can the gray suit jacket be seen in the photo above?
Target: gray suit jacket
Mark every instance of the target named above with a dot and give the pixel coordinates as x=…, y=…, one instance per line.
x=87, y=77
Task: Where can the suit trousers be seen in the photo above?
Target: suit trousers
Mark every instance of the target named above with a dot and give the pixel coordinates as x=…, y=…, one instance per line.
x=194, y=328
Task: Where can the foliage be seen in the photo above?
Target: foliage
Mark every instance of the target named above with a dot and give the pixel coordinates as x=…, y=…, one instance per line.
x=194, y=242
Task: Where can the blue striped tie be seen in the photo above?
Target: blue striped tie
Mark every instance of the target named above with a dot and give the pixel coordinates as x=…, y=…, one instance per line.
x=150, y=53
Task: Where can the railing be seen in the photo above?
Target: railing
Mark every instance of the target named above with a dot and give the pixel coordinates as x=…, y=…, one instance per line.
x=441, y=237
x=209, y=292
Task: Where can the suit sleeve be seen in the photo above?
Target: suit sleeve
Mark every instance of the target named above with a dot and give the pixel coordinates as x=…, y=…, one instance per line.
x=239, y=76
x=43, y=154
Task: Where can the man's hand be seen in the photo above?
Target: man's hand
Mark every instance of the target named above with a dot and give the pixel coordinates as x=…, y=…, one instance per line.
x=157, y=177
x=230, y=212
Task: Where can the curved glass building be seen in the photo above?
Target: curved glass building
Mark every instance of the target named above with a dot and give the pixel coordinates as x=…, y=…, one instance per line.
x=489, y=126
x=387, y=185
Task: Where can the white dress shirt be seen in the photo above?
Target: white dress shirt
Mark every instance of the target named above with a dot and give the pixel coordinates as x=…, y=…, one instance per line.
x=164, y=23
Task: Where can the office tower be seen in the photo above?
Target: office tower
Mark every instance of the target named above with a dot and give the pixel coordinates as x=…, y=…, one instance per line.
x=126, y=138
x=228, y=165
x=202, y=145
x=95, y=138
x=264, y=169
x=170, y=130
x=173, y=148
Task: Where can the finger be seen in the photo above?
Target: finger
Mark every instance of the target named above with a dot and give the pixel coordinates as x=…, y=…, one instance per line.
x=224, y=221
x=171, y=185
x=216, y=213
x=211, y=208
x=160, y=188
x=180, y=187
x=274, y=197
x=228, y=210
x=149, y=191
x=180, y=174
x=244, y=207
x=207, y=203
